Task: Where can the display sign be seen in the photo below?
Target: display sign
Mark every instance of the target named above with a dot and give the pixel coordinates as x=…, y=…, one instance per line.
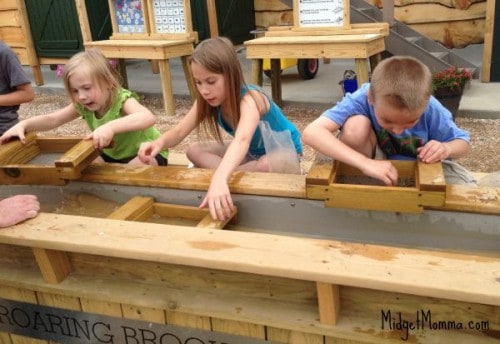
x=169, y=16
x=67, y=326
x=129, y=16
x=320, y=13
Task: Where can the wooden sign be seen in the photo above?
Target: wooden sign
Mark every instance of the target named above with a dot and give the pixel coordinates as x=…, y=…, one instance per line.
x=321, y=14
x=170, y=19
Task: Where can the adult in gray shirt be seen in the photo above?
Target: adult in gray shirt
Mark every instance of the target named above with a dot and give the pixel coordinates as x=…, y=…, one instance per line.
x=15, y=87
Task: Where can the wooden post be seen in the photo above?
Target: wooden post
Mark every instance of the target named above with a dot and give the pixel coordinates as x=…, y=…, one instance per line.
x=488, y=41
x=212, y=18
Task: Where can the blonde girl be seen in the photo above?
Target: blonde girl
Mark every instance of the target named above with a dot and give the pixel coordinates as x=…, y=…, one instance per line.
x=224, y=101
x=119, y=123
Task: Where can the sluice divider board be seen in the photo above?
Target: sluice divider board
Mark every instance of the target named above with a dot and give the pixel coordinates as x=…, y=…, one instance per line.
x=15, y=158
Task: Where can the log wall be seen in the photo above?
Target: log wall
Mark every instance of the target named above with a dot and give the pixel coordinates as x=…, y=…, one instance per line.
x=454, y=23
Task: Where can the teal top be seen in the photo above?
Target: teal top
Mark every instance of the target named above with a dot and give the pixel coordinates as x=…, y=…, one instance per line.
x=277, y=122
x=126, y=145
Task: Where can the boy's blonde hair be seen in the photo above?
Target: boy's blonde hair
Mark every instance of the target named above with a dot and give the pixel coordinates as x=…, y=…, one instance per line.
x=403, y=82
x=94, y=63
x=217, y=55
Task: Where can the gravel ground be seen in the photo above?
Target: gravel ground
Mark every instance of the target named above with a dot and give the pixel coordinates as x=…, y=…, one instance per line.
x=485, y=133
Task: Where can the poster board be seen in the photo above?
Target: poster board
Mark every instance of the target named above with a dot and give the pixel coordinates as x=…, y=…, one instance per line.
x=170, y=18
x=129, y=19
x=310, y=15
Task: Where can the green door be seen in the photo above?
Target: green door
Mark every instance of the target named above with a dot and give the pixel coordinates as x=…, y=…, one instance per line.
x=55, y=27
x=235, y=18
x=495, y=54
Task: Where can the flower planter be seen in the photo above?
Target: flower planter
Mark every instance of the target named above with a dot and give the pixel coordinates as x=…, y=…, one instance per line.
x=450, y=98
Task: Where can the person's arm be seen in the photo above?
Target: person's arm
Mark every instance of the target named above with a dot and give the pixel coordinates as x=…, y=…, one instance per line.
x=319, y=134
x=134, y=117
x=23, y=94
x=218, y=197
x=434, y=151
x=40, y=123
x=18, y=208
x=170, y=138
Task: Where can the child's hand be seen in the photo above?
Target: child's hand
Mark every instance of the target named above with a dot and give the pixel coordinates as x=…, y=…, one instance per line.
x=382, y=170
x=433, y=151
x=15, y=131
x=218, y=200
x=101, y=137
x=148, y=151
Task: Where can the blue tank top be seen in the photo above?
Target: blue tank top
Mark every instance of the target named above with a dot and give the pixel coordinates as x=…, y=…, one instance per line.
x=277, y=122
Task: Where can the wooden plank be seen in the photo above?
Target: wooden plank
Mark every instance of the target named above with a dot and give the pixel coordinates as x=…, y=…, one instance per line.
x=212, y=18
x=355, y=29
x=180, y=211
x=179, y=177
x=328, y=303
x=489, y=27
x=484, y=200
x=76, y=159
x=30, y=175
x=136, y=209
x=54, y=265
x=454, y=276
x=208, y=223
x=57, y=144
x=321, y=171
x=16, y=152
x=382, y=198
x=430, y=177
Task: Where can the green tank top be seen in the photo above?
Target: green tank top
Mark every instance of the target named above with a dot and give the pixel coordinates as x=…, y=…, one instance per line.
x=126, y=145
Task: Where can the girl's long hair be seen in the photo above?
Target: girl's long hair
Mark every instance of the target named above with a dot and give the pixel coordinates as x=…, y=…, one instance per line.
x=94, y=63
x=217, y=55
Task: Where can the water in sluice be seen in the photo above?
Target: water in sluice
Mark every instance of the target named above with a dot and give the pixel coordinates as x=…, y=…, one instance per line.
x=456, y=231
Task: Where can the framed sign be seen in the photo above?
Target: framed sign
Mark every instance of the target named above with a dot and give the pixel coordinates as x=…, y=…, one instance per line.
x=321, y=14
x=129, y=16
x=169, y=16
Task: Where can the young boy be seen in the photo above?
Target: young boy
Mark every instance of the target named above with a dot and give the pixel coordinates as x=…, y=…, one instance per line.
x=397, y=114
x=15, y=88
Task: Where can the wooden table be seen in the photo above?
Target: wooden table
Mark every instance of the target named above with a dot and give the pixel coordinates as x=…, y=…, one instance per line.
x=360, y=47
x=157, y=50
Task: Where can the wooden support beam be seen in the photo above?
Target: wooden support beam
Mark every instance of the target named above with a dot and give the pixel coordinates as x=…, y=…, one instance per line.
x=71, y=164
x=16, y=152
x=212, y=18
x=328, y=303
x=54, y=265
x=136, y=209
x=431, y=177
x=209, y=223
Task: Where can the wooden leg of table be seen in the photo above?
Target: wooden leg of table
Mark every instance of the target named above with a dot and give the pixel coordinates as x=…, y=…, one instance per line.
x=189, y=77
x=257, y=78
x=276, y=81
x=361, y=71
x=37, y=75
x=122, y=70
x=166, y=86
x=154, y=67
x=374, y=61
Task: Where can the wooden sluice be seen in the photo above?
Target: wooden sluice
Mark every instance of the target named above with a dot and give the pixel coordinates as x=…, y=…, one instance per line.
x=303, y=260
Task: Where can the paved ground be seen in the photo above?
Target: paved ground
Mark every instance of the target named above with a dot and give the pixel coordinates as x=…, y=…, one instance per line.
x=479, y=100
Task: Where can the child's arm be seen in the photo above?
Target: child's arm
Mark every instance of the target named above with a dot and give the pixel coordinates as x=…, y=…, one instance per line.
x=40, y=123
x=135, y=116
x=434, y=151
x=23, y=94
x=170, y=138
x=319, y=134
x=218, y=197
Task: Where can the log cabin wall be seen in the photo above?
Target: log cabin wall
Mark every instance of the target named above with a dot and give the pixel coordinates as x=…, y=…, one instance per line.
x=454, y=23
x=15, y=32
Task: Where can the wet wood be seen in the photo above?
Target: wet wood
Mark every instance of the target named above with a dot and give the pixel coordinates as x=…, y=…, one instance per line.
x=440, y=274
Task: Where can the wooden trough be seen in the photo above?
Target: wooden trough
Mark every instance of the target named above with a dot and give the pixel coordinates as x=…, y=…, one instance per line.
x=124, y=255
